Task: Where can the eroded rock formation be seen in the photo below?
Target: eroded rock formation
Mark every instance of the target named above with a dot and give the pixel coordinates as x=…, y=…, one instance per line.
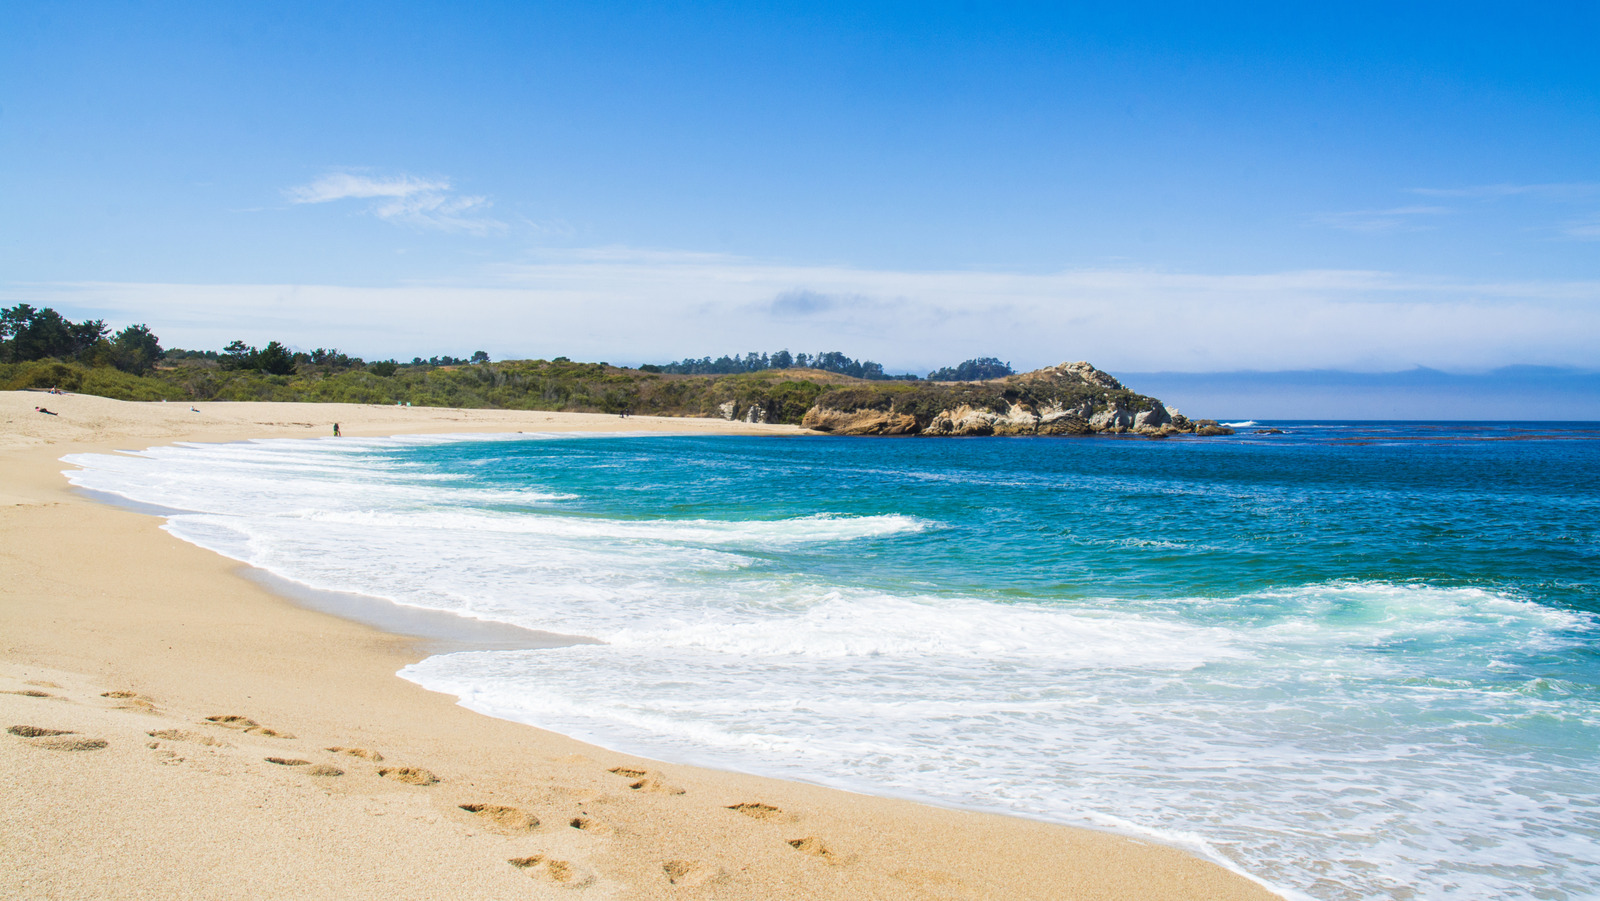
x=1069, y=399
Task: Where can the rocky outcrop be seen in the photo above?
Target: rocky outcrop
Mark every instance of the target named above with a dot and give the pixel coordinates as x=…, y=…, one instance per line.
x=1017, y=419
x=1081, y=371
x=859, y=422
x=729, y=410
x=1069, y=399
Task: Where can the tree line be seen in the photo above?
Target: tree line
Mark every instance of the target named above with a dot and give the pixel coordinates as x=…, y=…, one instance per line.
x=828, y=361
x=973, y=370
x=28, y=334
x=276, y=359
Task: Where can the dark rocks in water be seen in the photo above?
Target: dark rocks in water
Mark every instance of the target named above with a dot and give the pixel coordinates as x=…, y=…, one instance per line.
x=1069, y=399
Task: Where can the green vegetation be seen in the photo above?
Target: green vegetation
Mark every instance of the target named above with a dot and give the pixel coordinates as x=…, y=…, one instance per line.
x=784, y=395
x=926, y=400
x=973, y=371
x=828, y=361
x=28, y=335
x=41, y=349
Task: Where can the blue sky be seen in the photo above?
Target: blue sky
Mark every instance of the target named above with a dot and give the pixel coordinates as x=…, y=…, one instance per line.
x=1152, y=187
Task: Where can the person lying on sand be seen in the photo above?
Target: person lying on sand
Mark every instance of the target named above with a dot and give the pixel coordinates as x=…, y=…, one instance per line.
x=43, y=410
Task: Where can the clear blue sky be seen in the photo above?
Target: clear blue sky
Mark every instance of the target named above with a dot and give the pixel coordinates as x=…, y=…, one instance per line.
x=1188, y=187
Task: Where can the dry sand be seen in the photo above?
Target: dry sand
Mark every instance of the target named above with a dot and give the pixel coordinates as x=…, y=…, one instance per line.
x=174, y=731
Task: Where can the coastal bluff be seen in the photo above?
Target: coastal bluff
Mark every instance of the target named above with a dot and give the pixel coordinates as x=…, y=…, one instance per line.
x=1068, y=399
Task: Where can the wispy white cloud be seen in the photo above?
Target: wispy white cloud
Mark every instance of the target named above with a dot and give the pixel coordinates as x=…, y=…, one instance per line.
x=348, y=185
x=1402, y=218
x=1548, y=191
x=441, y=211
x=406, y=199
x=1583, y=229
x=1480, y=197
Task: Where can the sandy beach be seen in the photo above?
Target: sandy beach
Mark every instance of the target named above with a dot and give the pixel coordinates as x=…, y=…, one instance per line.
x=177, y=730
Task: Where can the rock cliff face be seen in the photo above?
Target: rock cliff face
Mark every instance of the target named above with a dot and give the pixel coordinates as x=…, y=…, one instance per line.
x=1069, y=399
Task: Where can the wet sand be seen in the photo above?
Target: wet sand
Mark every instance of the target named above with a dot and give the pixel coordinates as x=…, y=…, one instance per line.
x=182, y=727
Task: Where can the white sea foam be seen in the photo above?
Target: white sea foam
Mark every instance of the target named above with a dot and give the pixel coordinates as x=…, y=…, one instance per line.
x=1241, y=425
x=1285, y=752
x=1315, y=736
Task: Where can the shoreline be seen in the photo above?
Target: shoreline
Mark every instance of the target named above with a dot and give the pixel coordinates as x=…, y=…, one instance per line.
x=98, y=599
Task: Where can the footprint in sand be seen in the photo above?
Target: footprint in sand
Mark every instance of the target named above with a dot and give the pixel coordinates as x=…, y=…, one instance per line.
x=57, y=739
x=813, y=846
x=588, y=824
x=164, y=756
x=691, y=873
x=245, y=724
x=42, y=683
x=320, y=769
x=133, y=701
x=502, y=818
x=410, y=775
x=38, y=731
x=71, y=744
x=757, y=810
x=643, y=780
x=559, y=872
x=363, y=753
x=29, y=693
x=183, y=735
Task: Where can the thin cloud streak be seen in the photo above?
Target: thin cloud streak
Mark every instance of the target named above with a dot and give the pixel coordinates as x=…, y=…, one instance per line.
x=1402, y=218
x=1551, y=191
x=346, y=186
x=404, y=199
x=1583, y=229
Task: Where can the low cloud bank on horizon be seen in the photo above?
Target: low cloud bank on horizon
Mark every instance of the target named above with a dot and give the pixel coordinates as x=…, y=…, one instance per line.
x=629, y=306
x=1512, y=393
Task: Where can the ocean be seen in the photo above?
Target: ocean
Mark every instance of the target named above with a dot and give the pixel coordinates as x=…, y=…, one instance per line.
x=1352, y=660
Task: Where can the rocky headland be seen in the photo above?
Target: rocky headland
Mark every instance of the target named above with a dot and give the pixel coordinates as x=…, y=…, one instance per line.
x=1069, y=399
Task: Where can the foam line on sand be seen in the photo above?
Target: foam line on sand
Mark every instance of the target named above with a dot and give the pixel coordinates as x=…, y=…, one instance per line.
x=170, y=729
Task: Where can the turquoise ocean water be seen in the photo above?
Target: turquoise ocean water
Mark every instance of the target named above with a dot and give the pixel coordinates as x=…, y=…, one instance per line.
x=1351, y=660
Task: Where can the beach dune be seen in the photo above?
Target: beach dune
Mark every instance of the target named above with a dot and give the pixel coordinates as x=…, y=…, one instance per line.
x=172, y=729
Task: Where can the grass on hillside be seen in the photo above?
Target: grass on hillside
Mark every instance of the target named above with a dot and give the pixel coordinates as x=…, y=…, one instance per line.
x=784, y=394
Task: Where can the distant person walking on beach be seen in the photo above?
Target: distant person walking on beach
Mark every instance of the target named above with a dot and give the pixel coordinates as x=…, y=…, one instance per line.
x=336, y=430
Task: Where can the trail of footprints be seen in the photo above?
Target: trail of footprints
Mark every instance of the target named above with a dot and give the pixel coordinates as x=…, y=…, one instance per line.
x=46, y=737
x=499, y=818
